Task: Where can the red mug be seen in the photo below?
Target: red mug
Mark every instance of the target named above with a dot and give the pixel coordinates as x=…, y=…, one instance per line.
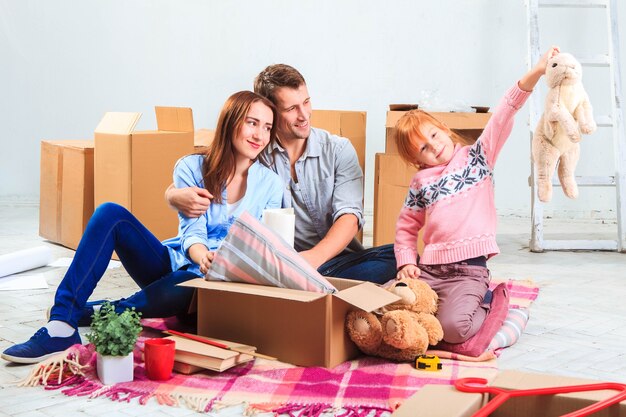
x=159, y=358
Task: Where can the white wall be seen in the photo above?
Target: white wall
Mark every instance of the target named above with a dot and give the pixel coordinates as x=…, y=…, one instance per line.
x=65, y=63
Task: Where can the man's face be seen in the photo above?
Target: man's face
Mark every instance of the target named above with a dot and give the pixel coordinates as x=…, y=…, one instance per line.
x=294, y=113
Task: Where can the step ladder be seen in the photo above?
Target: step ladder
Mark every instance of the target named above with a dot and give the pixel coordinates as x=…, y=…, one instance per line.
x=614, y=121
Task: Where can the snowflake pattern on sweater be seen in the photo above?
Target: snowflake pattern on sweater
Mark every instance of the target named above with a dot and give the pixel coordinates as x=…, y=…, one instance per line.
x=452, y=183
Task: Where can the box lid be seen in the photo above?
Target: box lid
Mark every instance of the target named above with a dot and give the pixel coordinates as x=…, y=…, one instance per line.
x=367, y=296
x=174, y=119
x=118, y=123
x=72, y=143
x=253, y=289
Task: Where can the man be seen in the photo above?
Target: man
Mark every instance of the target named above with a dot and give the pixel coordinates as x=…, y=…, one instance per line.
x=323, y=183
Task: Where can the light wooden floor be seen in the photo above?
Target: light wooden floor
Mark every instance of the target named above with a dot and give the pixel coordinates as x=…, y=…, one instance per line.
x=577, y=325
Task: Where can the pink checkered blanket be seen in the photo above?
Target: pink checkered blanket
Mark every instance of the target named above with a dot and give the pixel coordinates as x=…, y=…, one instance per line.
x=354, y=388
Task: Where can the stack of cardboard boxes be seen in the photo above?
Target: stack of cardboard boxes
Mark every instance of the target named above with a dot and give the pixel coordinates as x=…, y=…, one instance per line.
x=393, y=175
x=128, y=167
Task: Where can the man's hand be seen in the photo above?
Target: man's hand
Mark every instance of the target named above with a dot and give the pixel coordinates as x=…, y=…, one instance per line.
x=190, y=201
x=314, y=258
x=408, y=271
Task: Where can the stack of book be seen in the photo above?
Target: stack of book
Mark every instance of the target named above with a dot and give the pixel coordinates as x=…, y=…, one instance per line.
x=193, y=356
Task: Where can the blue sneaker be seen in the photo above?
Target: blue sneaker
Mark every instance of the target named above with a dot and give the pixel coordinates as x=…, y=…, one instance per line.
x=39, y=347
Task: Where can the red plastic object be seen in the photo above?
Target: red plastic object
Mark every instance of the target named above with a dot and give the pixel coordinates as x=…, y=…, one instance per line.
x=500, y=395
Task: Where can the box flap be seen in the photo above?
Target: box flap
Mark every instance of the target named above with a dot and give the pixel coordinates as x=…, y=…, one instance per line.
x=367, y=296
x=174, y=119
x=118, y=123
x=253, y=289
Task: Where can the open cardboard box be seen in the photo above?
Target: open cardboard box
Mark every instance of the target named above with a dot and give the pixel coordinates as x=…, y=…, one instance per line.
x=133, y=168
x=446, y=401
x=299, y=327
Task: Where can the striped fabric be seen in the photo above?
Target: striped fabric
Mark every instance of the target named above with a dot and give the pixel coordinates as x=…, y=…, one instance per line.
x=511, y=330
x=252, y=253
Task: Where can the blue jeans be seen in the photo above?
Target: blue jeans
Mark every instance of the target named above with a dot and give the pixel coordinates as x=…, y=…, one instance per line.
x=147, y=261
x=376, y=265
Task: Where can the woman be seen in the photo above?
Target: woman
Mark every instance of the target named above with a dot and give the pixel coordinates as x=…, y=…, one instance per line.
x=235, y=181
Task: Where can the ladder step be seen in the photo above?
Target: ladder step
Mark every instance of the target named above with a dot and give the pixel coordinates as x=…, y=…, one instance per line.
x=590, y=181
x=574, y=3
x=604, y=120
x=609, y=245
x=601, y=60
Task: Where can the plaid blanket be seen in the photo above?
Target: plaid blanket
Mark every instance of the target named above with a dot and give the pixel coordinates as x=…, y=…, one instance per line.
x=351, y=389
x=521, y=292
x=354, y=388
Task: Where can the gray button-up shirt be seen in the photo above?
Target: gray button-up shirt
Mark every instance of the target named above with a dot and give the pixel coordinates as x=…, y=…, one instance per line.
x=330, y=184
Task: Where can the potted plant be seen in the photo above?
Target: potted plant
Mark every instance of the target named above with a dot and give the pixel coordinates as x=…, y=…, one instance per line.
x=114, y=336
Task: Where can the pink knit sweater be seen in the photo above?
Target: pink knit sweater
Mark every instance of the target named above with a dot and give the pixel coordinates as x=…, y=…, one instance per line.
x=457, y=197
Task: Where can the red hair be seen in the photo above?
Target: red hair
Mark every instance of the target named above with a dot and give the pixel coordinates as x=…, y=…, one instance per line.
x=408, y=129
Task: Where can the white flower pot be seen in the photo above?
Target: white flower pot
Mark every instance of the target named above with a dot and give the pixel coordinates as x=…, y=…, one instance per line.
x=114, y=369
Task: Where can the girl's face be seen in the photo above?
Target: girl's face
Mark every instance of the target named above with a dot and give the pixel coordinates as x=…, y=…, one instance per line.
x=437, y=147
x=254, y=134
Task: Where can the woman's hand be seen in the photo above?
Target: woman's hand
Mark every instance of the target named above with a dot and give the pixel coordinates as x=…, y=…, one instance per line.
x=408, y=271
x=202, y=256
x=206, y=261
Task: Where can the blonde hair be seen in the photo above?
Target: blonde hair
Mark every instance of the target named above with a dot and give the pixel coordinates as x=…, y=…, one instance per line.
x=408, y=128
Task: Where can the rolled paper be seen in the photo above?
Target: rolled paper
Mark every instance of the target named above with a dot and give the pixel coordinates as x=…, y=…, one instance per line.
x=282, y=222
x=23, y=260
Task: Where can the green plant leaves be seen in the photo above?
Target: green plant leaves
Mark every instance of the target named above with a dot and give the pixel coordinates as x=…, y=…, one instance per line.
x=112, y=333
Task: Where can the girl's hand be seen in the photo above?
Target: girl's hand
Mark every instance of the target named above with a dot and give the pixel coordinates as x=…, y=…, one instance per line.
x=408, y=271
x=542, y=64
x=529, y=80
x=206, y=261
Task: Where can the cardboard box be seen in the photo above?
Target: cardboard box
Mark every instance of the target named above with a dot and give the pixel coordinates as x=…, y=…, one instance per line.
x=133, y=168
x=348, y=124
x=300, y=327
x=202, y=138
x=468, y=125
x=446, y=401
x=66, y=190
x=391, y=185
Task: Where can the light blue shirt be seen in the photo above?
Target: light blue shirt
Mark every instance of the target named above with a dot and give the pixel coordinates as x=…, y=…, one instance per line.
x=330, y=184
x=264, y=190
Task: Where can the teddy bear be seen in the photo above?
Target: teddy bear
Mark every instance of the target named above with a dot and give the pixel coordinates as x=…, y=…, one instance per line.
x=400, y=331
x=566, y=115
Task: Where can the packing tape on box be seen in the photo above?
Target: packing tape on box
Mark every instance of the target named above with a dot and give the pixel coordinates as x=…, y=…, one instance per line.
x=23, y=260
x=282, y=222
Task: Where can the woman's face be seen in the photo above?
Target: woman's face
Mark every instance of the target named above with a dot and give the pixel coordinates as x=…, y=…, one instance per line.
x=254, y=134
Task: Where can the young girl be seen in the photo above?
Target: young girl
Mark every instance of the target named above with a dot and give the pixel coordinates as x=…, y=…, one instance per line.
x=451, y=197
x=235, y=181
